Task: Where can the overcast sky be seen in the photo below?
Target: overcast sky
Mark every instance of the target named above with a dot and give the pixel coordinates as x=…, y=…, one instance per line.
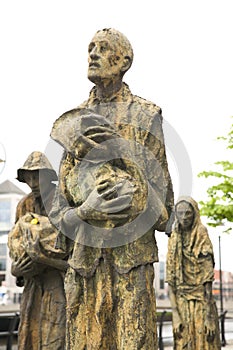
x=182, y=61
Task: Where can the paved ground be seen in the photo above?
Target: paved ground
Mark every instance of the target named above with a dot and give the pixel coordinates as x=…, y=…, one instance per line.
x=228, y=306
x=229, y=346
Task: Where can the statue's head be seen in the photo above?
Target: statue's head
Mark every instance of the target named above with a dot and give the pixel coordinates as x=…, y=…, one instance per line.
x=110, y=55
x=36, y=172
x=187, y=212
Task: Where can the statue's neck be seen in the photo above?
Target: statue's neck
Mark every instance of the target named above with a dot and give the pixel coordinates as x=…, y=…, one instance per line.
x=186, y=233
x=108, y=89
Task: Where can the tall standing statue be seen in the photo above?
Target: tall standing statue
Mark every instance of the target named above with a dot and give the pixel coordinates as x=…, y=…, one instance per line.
x=114, y=192
x=36, y=264
x=190, y=273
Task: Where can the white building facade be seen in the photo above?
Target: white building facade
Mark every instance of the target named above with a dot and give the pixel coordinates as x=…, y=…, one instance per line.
x=10, y=195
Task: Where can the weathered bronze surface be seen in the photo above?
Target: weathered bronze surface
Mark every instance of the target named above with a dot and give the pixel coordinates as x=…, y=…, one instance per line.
x=35, y=262
x=190, y=273
x=114, y=170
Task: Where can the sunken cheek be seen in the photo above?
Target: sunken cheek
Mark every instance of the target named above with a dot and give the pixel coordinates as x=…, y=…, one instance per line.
x=113, y=60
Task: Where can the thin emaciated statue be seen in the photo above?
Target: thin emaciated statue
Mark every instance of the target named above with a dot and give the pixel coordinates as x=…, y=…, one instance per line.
x=109, y=283
x=36, y=264
x=190, y=274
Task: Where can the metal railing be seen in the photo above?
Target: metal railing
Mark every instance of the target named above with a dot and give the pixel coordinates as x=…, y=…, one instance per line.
x=164, y=318
x=9, y=323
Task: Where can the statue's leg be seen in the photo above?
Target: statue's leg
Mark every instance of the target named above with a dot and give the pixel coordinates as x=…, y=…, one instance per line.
x=75, y=311
x=136, y=309
x=99, y=301
x=53, y=320
x=29, y=328
x=90, y=316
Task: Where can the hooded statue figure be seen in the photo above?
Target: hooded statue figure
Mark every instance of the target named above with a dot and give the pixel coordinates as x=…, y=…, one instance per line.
x=190, y=273
x=37, y=161
x=37, y=164
x=35, y=263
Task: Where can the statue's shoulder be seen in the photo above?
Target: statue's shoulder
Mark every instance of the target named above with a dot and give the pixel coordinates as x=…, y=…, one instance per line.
x=65, y=121
x=147, y=105
x=77, y=111
x=25, y=205
x=26, y=199
x=68, y=126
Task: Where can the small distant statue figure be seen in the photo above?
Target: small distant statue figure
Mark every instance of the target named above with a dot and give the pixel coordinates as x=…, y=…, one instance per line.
x=114, y=191
x=36, y=264
x=190, y=273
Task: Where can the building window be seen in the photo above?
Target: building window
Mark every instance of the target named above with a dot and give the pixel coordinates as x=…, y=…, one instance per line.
x=3, y=250
x=2, y=278
x=2, y=264
x=161, y=275
x=2, y=233
x=5, y=212
x=17, y=298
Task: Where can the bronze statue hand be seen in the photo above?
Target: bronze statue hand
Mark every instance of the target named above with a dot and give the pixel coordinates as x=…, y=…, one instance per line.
x=92, y=138
x=100, y=133
x=22, y=266
x=210, y=328
x=177, y=324
x=32, y=246
x=36, y=253
x=109, y=203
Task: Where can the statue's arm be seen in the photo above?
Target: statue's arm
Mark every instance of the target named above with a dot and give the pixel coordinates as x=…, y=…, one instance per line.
x=210, y=321
x=102, y=203
x=21, y=266
x=62, y=203
x=159, y=175
x=37, y=254
x=176, y=318
x=21, y=207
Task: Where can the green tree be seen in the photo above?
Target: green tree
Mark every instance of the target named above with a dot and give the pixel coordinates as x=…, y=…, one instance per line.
x=218, y=207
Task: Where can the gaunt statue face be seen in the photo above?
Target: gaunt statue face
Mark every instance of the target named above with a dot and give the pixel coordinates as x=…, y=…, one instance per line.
x=107, y=56
x=185, y=214
x=31, y=178
x=37, y=180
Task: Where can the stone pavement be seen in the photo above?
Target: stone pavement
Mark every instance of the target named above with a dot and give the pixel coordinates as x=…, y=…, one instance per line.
x=228, y=306
x=229, y=346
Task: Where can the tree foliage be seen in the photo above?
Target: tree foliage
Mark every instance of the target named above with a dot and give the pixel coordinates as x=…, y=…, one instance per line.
x=219, y=205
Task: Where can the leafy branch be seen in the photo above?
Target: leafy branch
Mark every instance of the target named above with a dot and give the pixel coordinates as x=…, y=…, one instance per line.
x=219, y=205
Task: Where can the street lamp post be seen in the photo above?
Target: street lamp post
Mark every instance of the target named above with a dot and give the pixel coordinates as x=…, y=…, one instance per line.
x=222, y=314
x=220, y=274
